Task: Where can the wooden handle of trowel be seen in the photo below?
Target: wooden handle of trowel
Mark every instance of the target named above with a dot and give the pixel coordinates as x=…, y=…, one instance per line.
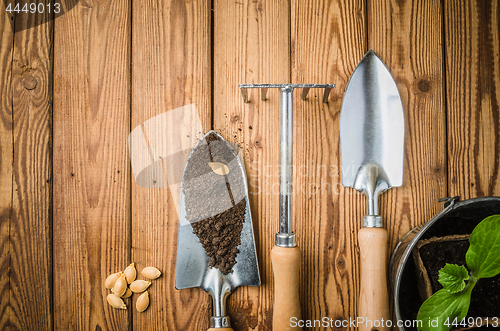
x=224, y=329
x=286, y=265
x=373, y=305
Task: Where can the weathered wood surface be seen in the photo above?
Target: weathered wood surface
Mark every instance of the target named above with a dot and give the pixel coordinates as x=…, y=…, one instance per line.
x=411, y=48
x=27, y=188
x=30, y=230
x=472, y=47
x=405, y=36
x=91, y=191
x=71, y=212
x=329, y=39
x=170, y=69
x=251, y=46
x=7, y=320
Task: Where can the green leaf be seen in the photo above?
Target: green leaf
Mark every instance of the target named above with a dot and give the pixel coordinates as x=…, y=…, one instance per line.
x=483, y=255
x=453, y=277
x=442, y=308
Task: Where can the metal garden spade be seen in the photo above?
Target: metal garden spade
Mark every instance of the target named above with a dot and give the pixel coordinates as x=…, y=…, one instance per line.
x=371, y=138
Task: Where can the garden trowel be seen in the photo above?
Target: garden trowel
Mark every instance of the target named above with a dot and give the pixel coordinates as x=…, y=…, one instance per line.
x=216, y=248
x=371, y=139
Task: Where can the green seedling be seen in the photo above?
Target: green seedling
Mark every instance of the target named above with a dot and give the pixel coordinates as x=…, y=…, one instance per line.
x=448, y=307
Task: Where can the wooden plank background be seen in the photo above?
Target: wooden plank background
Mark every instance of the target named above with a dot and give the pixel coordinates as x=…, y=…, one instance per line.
x=73, y=88
x=91, y=192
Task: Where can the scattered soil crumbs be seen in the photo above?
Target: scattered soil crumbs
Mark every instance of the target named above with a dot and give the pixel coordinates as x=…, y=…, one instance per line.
x=215, y=204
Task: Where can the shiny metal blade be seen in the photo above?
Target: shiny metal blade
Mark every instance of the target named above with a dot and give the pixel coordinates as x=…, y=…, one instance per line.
x=192, y=269
x=371, y=130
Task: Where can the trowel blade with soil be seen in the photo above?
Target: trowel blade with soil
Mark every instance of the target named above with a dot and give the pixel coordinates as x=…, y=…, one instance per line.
x=214, y=207
x=371, y=139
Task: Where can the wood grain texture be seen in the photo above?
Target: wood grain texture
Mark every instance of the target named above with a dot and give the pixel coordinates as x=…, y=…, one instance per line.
x=472, y=34
x=286, y=269
x=91, y=189
x=373, y=301
x=30, y=230
x=407, y=36
x=251, y=45
x=328, y=40
x=118, y=64
x=7, y=319
x=170, y=69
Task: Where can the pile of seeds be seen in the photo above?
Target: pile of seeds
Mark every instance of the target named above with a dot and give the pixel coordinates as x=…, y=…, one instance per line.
x=123, y=284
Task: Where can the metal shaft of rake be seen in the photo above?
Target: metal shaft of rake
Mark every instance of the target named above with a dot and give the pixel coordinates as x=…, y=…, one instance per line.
x=286, y=237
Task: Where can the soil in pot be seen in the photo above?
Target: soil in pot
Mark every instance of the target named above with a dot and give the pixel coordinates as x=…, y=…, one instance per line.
x=485, y=301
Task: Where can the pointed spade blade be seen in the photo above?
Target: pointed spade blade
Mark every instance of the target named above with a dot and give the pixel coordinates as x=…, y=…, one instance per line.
x=371, y=128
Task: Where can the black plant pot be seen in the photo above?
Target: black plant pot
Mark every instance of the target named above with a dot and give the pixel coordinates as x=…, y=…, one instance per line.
x=425, y=249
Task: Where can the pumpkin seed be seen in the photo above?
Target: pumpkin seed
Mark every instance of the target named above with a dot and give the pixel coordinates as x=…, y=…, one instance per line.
x=127, y=293
x=130, y=273
x=139, y=286
x=116, y=302
x=219, y=168
x=142, y=302
x=120, y=286
x=151, y=272
x=111, y=280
